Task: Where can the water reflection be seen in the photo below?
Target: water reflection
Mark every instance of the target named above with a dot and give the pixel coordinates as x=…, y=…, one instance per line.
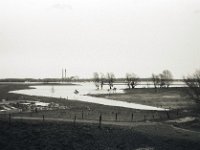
x=52, y=90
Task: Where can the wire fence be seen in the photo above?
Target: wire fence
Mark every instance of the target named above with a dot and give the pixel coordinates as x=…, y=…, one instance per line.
x=97, y=116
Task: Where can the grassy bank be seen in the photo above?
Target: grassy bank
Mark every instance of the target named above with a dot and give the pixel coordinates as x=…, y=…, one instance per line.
x=36, y=135
x=6, y=88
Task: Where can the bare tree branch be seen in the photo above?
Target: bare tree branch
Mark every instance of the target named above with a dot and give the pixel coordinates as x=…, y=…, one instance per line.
x=193, y=82
x=110, y=79
x=132, y=80
x=96, y=79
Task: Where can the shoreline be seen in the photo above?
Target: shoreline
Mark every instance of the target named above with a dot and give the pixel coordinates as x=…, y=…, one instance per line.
x=147, y=128
x=13, y=96
x=111, y=111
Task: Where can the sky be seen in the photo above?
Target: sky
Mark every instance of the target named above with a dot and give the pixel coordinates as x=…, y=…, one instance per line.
x=40, y=37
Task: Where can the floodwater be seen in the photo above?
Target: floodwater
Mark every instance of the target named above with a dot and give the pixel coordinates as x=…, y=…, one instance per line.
x=67, y=92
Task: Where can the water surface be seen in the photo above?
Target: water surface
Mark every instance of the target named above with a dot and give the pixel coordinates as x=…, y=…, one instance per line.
x=84, y=88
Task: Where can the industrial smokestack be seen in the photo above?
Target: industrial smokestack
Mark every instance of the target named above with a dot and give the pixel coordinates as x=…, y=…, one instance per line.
x=62, y=75
x=65, y=74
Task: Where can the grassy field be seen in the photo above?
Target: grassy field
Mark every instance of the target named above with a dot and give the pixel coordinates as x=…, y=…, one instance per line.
x=51, y=135
x=122, y=128
x=170, y=98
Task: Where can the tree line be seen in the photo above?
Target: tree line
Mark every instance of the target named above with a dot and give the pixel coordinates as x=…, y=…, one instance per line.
x=161, y=80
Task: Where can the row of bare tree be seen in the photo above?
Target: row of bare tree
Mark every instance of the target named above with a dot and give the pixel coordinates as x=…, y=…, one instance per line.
x=162, y=80
x=192, y=81
x=109, y=78
x=101, y=79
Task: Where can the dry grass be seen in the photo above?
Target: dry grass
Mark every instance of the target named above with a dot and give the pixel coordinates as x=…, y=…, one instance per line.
x=51, y=135
x=173, y=98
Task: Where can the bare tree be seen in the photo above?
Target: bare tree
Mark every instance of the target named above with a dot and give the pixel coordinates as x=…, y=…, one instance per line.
x=193, y=82
x=102, y=80
x=156, y=81
x=132, y=80
x=161, y=80
x=166, y=78
x=128, y=79
x=110, y=79
x=96, y=79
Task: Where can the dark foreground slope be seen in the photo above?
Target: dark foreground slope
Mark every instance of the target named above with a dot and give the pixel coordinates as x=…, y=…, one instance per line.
x=52, y=135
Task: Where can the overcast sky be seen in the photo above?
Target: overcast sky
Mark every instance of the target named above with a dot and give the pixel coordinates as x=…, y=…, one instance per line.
x=40, y=37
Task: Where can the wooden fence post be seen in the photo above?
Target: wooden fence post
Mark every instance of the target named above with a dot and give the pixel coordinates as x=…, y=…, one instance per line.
x=168, y=115
x=75, y=120
x=132, y=117
x=100, y=120
x=82, y=114
x=144, y=117
x=116, y=115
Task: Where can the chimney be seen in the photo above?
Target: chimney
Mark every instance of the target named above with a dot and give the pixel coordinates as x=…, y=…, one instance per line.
x=62, y=75
x=65, y=74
